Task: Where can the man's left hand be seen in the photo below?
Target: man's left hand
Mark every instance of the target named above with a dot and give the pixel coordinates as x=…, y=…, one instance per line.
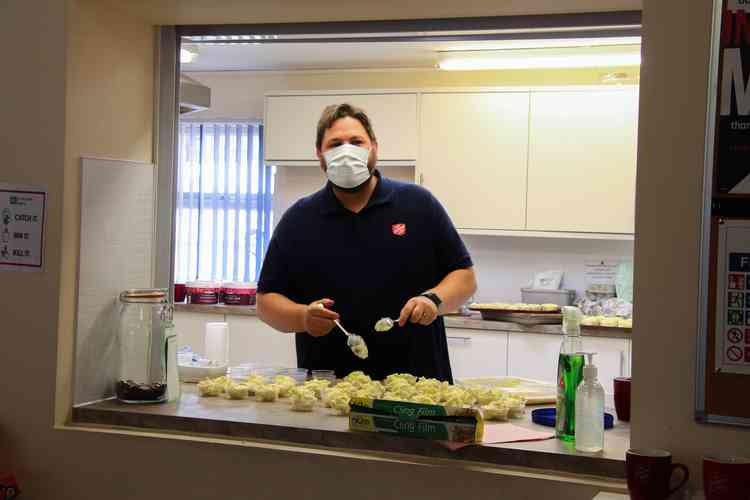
x=419, y=310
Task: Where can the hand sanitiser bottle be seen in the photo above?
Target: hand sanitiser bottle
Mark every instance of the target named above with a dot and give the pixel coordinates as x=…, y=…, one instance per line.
x=590, y=410
x=569, y=373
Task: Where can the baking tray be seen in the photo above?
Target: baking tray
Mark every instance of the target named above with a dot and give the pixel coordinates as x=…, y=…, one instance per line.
x=536, y=392
x=491, y=307
x=522, y=318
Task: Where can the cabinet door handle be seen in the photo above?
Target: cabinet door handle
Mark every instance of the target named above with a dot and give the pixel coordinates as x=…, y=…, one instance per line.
x=465, y=340
x=421, y=179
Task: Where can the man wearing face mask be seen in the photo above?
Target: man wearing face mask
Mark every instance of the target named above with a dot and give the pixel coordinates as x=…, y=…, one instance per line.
x=362, y=248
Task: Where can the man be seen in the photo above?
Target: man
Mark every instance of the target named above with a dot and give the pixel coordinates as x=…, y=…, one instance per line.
x=364, y=247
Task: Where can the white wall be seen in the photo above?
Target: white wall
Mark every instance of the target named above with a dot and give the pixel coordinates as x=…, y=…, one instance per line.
x=504, y=264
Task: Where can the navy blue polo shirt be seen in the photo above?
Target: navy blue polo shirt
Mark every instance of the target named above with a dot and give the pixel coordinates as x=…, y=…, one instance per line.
x=370, y=263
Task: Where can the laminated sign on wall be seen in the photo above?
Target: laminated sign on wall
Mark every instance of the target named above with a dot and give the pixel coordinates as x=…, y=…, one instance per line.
x=733, y=298
x=22, y=218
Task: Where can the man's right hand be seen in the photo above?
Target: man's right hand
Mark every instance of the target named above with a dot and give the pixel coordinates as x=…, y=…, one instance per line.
x=319, y=320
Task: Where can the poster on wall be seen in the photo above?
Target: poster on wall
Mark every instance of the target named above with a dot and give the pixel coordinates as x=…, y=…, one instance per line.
x=732, y=337
x=723, y=344
x=732, y=142
x=22, y=221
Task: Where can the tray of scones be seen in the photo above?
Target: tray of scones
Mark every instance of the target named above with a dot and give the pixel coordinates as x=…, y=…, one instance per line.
x=519, y=312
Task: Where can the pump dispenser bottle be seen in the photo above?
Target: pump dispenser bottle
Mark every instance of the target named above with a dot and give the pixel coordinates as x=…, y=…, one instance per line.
x=590, y=410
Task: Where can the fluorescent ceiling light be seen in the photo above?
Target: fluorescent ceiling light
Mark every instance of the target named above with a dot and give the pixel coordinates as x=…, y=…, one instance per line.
x=545, y=43
x=188, y=55
x=568, y=57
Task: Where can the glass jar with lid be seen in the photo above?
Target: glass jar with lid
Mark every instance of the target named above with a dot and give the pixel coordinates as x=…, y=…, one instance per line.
x=144, y=316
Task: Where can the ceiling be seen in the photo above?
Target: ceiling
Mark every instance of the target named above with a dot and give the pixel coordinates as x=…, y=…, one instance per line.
x=275, y=55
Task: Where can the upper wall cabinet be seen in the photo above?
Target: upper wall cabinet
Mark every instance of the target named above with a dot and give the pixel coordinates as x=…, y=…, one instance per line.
x=582, y=160
x=291, y=122
x=472, y=156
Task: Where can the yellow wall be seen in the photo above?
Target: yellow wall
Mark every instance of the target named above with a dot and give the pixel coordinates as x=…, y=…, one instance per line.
x=104, y=55
x=109, y=102
x=670, y=170
x=32, y=133
x=236, y=11
x=39, y=146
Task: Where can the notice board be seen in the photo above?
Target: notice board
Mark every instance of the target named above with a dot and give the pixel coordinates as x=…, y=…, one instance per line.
x=723, y=374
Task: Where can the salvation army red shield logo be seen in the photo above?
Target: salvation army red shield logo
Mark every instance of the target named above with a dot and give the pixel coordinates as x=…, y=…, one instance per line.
x=398, y=229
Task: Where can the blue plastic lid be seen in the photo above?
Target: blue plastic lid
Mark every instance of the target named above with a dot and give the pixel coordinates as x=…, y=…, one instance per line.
x=547, y=417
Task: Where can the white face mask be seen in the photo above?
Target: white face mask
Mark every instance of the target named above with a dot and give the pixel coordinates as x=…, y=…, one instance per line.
x=346, y=165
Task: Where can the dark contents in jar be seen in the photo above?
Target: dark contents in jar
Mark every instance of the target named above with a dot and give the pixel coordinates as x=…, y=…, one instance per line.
x=127, y=390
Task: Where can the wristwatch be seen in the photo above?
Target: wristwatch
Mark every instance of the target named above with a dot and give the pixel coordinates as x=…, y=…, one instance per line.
x=433, y=297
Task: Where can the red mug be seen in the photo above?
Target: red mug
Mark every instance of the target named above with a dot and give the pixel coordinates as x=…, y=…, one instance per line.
x=179, y=293
x=649, y=473
x=622, y=398
x=726, y=478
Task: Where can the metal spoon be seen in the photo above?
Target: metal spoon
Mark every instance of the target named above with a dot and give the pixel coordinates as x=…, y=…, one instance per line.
x=385, y=324
x=355, y=342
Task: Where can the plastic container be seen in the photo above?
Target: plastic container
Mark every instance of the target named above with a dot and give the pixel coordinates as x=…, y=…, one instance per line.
x=203, y=292
x=298, y=374
x=324, y=375
x=538, y=296
x=195, y=371
x=548, y=418
x=235, y=293
x=180, y=292
x=216, y=343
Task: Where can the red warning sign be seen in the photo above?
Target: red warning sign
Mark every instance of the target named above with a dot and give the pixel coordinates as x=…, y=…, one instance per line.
x=734, y=353
x=735, y=335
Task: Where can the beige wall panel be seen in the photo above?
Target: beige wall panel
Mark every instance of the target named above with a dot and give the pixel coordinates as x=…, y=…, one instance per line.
x=668, y=205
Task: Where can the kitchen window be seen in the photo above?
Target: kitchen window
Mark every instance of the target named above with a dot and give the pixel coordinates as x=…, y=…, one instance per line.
x=224, y=214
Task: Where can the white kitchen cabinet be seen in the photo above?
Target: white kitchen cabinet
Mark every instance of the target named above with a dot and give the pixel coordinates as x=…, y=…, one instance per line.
x=582, y=160
x=533, y=356
x=252, y=341
x=472, y=156
x=612, y=359
x=477, y=353
x=291, y=122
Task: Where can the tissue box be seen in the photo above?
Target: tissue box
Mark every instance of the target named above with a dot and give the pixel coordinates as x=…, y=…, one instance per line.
x=536, y=296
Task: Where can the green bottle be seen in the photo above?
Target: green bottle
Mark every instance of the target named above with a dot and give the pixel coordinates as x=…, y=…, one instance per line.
x=569, y=373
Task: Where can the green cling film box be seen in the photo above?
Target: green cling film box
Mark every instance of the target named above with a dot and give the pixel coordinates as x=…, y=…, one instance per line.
x=435, y=422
